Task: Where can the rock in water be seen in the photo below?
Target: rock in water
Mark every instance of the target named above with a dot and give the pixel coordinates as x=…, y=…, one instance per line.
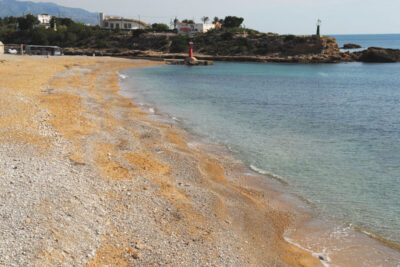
x=380, y=55
x=351, y=46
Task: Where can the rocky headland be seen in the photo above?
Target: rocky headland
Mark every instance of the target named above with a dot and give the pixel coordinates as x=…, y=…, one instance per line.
x=243, y=48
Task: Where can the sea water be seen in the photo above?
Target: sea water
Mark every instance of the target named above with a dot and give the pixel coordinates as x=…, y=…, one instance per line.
x=369, y=40
x=330, y=131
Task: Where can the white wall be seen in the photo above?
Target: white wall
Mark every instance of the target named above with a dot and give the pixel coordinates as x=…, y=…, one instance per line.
x=121, y=23
x=195, y=28
x=44, y=19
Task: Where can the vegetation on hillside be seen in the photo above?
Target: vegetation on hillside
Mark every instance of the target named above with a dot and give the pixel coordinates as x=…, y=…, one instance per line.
x=66, y=33
x=231, y=39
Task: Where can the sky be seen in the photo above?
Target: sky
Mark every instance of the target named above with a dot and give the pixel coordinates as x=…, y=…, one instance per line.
x=278, y=16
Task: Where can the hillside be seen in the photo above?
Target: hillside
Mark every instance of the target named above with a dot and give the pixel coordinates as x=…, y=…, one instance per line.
x=18, y=8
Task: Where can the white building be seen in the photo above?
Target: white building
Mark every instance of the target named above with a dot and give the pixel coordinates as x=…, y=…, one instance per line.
x=44, y=18
x=121, y=23
x=1, y=48
x=185, y=28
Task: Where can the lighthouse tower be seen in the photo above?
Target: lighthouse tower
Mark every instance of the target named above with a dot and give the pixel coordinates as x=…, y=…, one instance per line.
x=319, y=27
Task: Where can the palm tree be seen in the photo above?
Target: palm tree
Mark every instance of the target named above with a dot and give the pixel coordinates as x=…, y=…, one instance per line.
x=205, y=19
x=176, y=21
x=216, y=20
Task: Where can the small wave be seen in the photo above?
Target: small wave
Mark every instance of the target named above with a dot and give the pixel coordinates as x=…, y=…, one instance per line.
x=325, y=261
x=264, y=172
x=260, y=171
x=256, y=169
x=151, y=110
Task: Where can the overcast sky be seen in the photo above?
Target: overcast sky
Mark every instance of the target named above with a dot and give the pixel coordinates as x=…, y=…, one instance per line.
x=280, y=16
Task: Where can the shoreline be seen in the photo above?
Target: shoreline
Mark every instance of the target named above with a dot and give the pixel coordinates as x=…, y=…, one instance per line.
x=369, y=240
x=106, y=184
x=132, y=190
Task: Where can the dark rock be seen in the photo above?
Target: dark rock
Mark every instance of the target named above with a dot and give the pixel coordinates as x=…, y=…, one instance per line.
x=351, y=46
x=379, y=55
x=321, y=258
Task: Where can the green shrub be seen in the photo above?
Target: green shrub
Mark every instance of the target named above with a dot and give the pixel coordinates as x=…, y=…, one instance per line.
x=159, y=27
x=179, y=44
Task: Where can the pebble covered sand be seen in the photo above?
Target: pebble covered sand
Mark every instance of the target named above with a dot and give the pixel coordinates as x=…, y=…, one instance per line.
x=88, y=179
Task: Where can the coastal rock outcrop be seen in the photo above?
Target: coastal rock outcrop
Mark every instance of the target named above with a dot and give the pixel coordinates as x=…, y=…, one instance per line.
x=351, y=46
x=379, y=55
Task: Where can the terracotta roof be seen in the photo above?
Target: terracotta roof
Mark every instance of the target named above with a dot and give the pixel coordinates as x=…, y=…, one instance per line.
x=124, y=19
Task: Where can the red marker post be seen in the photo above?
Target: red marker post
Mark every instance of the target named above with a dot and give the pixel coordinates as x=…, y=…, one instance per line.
x=190, y=49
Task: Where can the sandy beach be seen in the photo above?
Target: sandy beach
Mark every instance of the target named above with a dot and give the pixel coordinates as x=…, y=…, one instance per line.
x=88, y=179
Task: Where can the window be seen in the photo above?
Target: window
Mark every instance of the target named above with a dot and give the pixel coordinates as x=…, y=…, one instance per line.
x=129, y=26
x=126, y=25
x=117, y=25
x=105, y=24
x=112, y=25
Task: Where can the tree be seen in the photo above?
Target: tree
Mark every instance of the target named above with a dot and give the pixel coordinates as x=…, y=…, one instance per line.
x=65, y=21
x=179, y=44
x=28, y=22
x=176, y=21
x=160, y=27
x=232, y=22
x=188, y=21
x=53, y=22
x=205, y=19
x=215, y=20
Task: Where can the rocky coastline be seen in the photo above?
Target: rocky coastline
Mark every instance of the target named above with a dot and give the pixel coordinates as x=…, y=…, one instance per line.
x=370, y=55
x=241, y=47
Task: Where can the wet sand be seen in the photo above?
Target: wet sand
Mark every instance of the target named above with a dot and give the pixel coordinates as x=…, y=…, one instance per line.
x=88, y=178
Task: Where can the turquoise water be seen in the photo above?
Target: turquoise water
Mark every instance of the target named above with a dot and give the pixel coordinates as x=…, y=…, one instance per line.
x=332, y=132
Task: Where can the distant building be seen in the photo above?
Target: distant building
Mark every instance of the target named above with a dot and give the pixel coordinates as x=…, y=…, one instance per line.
x=44, y=20
x=185, y=28
x=120, y=23
x=1, y=48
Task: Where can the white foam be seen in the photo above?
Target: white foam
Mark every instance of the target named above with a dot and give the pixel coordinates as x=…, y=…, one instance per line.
x=122, y=76
x=256, y=169
x=324, y=262
x=264, y=172
x=151, y=110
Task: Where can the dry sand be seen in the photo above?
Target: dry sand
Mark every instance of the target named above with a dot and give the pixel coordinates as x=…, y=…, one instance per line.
x=88, y=179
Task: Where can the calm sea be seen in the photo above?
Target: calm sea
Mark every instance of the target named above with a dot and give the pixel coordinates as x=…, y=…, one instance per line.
x=331, y=131
x=369, y=40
